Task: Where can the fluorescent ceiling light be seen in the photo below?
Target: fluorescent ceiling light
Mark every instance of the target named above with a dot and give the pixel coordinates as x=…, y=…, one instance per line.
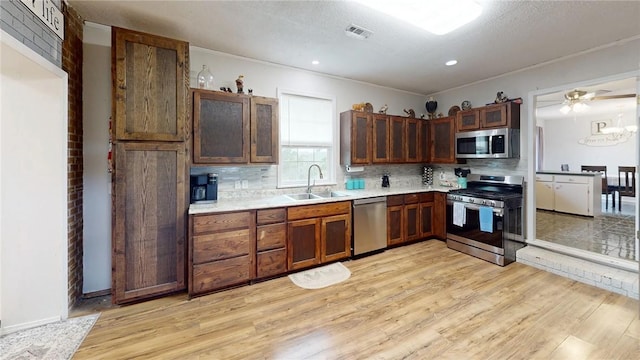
x=451, y=62
x=315, y=62
x=436, y=16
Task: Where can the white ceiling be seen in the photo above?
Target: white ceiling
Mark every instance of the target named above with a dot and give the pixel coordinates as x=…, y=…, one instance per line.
x=508, y=36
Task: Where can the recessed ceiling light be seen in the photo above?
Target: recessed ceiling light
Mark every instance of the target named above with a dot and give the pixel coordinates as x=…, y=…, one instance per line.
x=451, y=62
x=315, y=62
x=436, y=16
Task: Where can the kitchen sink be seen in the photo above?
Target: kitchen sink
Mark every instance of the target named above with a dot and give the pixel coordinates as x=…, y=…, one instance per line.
x=314, y=196
x=303, y=196
x=330, y=194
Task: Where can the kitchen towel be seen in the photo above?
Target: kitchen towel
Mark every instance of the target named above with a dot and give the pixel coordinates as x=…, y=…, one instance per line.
x=459, y=214
x=486, y=219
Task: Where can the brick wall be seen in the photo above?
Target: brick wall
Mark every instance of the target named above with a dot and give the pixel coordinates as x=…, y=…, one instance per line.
x=22, y=24
x=72, y=64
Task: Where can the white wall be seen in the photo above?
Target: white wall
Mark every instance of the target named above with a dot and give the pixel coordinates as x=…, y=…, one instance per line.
x=33, y=189
x=561, y=145
x=96, y=72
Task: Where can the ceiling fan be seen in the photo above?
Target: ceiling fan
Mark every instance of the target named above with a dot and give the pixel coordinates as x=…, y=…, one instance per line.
x=576, y=100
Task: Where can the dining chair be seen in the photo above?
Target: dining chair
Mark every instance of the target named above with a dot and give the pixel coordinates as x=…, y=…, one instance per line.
x=626, y=183
x=605, y=185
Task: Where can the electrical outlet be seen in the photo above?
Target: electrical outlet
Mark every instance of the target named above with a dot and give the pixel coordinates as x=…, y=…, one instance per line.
x=245, y=184
x=238, y=184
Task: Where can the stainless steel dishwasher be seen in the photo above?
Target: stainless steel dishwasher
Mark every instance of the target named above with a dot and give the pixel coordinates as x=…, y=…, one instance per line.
x=369, y=225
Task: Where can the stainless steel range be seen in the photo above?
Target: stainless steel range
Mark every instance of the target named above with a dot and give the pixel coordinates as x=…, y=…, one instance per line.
x=485, y=220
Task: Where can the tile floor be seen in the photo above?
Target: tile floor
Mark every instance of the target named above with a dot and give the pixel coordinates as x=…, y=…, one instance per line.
x=611, y=233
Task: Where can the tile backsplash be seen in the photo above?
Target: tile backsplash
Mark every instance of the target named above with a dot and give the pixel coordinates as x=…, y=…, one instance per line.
x=261, y=180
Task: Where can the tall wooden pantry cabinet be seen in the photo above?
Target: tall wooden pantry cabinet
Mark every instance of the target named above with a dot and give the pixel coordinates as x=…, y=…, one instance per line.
x=150, y=193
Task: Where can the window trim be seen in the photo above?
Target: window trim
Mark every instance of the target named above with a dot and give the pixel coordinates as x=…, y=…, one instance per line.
x=335, y=148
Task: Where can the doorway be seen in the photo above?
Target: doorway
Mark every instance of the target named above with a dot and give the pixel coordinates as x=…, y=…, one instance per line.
x=600, y=130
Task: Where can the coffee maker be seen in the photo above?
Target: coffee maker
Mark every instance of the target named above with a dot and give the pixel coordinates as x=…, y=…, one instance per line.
x=204, y=188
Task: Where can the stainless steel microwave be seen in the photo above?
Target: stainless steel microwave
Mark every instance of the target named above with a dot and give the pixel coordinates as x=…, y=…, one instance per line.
x=499, y=143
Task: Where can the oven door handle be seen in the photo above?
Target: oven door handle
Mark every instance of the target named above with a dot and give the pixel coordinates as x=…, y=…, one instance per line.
x=497, y=211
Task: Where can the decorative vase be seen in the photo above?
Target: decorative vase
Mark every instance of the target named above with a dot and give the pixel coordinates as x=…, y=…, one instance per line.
x=431, y=106
x=205, y=78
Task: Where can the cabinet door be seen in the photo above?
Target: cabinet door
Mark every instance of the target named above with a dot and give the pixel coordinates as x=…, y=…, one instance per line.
x=544, y=195
x=467, y=120
x=395, y=225
x=264, y=130
x=150, y=206
x=151, y=86
x=426, y=220
x=494, y=116
x=443, y=140
x=335, y=239
x=380, y=139
x=440, y=215
x=572, y=198
x=411, y=215
x=425, y=142
x=360, y=138
x=303, y=248
x=220, y=128
x=397, y=139
x=412, y=136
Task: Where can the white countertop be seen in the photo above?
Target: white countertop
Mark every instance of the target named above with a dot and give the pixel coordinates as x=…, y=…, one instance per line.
x=572, y=173
x=271, y=201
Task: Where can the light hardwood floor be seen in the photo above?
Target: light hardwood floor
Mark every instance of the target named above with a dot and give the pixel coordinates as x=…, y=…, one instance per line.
x=421, y=301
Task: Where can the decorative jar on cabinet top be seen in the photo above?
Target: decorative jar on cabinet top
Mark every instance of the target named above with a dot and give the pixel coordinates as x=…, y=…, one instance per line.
x=205, y=78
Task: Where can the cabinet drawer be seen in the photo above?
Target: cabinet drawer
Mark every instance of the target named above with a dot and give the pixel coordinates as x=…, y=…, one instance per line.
x=395, y=200
x=411, y=198
x=222, y=245
x=271, y=236
x=271, y=216
x=426, y=197
x=219, y=274
x=572, y=179
x=544, y=177
x=218, y=222
x=314, y=211
x=272, y=262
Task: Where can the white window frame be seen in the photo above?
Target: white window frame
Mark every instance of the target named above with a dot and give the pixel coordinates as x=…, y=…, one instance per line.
x=334, y=156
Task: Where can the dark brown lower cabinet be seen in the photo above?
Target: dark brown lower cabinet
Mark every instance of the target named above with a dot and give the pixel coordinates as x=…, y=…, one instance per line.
x=271, y=239
x=335, y=237
x=440, y=215
x=318, y=234
x=415, y=216
x=426, y=215
x=149, y=213
x=222, y=250
x=395, y=219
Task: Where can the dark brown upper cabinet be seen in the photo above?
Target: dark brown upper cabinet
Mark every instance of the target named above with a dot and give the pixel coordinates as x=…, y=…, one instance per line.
x=413, y=140
x=355, y=138
x=264, y=130
x=488, y=117
x=380, y=150
x=443, y=131
x=149, y=70
x=234, y=128
x=500, y=115
x=397, y=137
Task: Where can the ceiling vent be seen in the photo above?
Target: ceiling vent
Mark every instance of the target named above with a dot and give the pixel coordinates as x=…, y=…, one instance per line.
x=358, y=32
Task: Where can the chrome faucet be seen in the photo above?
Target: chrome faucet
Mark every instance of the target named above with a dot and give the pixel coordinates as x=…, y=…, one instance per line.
x=309, y=177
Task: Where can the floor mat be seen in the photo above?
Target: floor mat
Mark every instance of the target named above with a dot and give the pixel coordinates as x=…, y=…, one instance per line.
x=320, y=277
